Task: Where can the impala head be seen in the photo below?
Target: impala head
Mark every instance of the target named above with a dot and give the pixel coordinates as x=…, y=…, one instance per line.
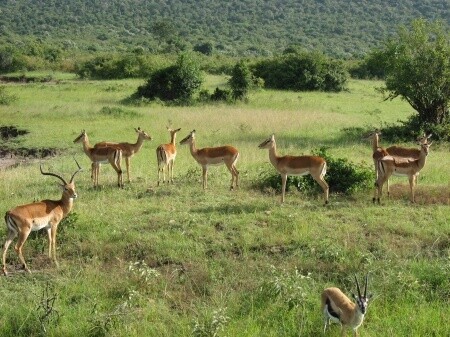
x=142, y=134
x=81, y=138
x=173, y=131
x=362, y=301
x=267, y=143
x=425, y=146
x=374, y=134
x=423, y=139
x=189, y=138
x=68, y=187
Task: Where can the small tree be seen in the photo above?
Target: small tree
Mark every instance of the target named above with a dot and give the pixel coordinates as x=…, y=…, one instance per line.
x=417, y=63
x=175, y=83
x=241, y=81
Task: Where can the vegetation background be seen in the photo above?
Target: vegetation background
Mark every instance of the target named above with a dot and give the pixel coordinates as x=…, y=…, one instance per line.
x=179, y=261
x=176, y=260
x=340, y=28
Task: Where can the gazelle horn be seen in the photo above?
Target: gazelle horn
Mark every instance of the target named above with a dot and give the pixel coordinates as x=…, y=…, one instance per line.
x=365, y=287
x=357, y=286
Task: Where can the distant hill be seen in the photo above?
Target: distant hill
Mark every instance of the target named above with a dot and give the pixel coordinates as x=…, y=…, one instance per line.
x=341, y=28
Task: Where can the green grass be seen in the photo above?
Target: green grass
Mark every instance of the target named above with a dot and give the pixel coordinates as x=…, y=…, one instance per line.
x=213, y=258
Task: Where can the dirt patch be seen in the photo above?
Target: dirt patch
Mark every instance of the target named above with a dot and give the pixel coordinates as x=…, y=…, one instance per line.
x=12, y=156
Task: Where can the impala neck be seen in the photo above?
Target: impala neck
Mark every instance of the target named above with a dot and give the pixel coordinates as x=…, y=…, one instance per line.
x=66, y=204
x=422, y=159
x=375, y=142
x=172, y=139
x=137, y=146
x=86, y=146
x=273, y=156
x=192, y=148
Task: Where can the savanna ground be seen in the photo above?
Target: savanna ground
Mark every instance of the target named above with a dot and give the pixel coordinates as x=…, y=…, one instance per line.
x=179, y=261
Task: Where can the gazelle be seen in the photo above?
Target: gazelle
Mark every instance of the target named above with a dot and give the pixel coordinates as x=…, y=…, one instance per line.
x=100, y=155
x=296, y=165
x=165, y=155
x=338, y=308
x=390, y=165
x=379, y=152
x=128, y=149
x=22, y=220
x=207, y=156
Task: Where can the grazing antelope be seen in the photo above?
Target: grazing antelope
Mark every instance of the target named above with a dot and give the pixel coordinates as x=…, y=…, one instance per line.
x=338, y=308
x=101, y=155
x=296, y=165
x=409, y=167
x=207, y=156
x=128, y=149
x=395, y=151
x=22, y=220
x=165, y=155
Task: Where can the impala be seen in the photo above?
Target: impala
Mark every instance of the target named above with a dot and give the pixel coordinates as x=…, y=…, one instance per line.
x=128, y=149
x=22, y=220
x=338, y=308
x=207, y=156
x=101, y=155
x=296, y=165
x=394, y=151
x=165, y=155
x=409, y=167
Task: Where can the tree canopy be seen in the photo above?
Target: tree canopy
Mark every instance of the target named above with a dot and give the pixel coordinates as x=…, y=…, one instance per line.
x=417, y=64
x=339, y=28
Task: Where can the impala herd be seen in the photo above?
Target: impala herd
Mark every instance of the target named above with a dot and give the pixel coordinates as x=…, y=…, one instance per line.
x=336, y=306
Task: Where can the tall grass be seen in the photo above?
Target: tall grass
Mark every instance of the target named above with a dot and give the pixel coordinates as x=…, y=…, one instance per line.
x=176, y=260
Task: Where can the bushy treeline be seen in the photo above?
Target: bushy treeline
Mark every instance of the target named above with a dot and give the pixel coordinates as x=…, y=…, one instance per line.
x=340, y=28
x=302, y=71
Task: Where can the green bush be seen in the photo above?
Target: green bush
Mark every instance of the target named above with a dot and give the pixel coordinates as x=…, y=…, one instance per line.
x=5, y=98
x=302, y=72
x=342, y=177
x=408, y=130
x=177, y=83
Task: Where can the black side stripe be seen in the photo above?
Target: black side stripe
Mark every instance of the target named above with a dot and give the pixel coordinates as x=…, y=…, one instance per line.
x=11, y=224
x=330, y=310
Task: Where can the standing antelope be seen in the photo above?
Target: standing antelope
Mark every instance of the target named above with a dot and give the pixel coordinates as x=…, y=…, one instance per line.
x=128, y=149
x=395, y=151
x=207, y=156
x=22, y=220
x=340, y=309
x=165, y=155
x=101, y=155
x=409, y=167
x=296, y=165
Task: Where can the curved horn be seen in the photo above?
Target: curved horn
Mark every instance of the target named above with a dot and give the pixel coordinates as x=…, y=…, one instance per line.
x=365, y=287
x=357, y=286
x=79, y=169
x=52, y=174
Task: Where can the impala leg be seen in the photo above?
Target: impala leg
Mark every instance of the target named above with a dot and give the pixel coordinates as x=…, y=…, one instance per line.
x=19, y=245
x=283, y=186
x=232, y=170
x=321, y=181
x=53, y=238
x=412, y=181
x=171, y=164
x=10, y=238
x=387, y=187
x=205, y=177
x=127, y=163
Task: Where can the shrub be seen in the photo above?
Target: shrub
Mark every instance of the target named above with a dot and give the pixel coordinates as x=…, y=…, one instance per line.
x=175, y=83
x=302, y=71
x=342, y=177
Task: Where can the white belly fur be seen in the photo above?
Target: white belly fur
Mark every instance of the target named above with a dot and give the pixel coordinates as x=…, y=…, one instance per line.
x=39, y=223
